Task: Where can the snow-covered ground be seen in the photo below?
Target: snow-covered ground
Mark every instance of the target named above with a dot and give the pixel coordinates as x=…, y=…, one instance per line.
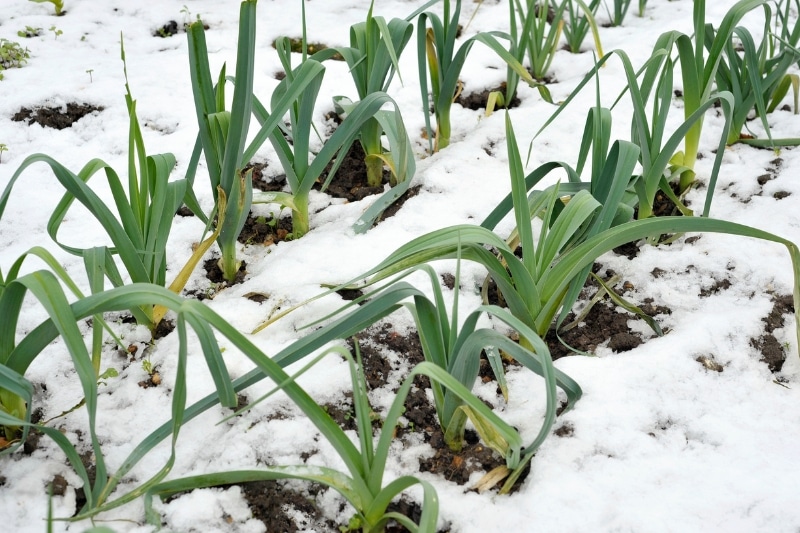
x=658, y=442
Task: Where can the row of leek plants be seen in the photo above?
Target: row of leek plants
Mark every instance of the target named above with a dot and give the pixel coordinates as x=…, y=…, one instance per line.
x=451, y=364
x=536, y=287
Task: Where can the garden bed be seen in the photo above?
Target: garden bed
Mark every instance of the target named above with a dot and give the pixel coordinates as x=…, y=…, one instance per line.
x=695, y=430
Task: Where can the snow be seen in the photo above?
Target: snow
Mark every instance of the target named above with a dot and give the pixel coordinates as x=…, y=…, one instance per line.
x=658, y=443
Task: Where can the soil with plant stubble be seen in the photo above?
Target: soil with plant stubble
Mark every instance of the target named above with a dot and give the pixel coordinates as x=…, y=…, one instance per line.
x=479, y=100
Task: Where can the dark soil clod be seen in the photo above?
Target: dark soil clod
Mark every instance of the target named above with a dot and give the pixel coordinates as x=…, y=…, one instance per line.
x=214, y=272
x=55, y=117
x=167, y=30
x=58, y=485
x=350, y=180
x=270, y=500
x=717, y=287
x=479, y=100
x=603, y=323
x=772, y=352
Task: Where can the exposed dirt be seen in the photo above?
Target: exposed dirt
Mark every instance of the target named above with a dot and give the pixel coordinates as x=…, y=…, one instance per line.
x=605, y=322
x=164, y=328
x=55, y=117
x=265, y=230
x=276, y=505
x=167, y=30
x=629, y=250
x=772, y=352
x=772, y=172
x=91, y=472
x=350, y=180
x=264, y=183
x=662, y=206
x=214, y=274
x=32, y=442
x=58, y=485
x=153, y=379
x=478, y=100
x=715, y=288
x=172, y=28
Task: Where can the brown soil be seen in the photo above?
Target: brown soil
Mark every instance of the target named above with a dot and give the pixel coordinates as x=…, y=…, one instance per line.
x=31, y=444
x=662, y=206
x=272, y=503
x=262, y=182
x=476, y=101
x=167, y=30
x=715, y=288
x=350, y=180
x=772, y=172
x=172, y=28
x=164, y=328
x=604, y=322
x=55, y=117
x=265, y=230
x=214, y=273
x=153, y=380
x=772, y=352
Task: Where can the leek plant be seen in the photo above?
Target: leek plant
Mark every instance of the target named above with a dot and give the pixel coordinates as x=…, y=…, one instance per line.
x=223, y=133
x=540, y=283
x=758, y=78
x=617, y=12
x=579, y=18
x=16, y=357
x=436, y=49
x=15, y=394
x=649, y=130
x=145, y=212
x=535, y=31
x=366, y=466
x=372, y=57
x=698, y=72
x=363, y=485
x=292, y=142
x=457, y=349
x=537, y=34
